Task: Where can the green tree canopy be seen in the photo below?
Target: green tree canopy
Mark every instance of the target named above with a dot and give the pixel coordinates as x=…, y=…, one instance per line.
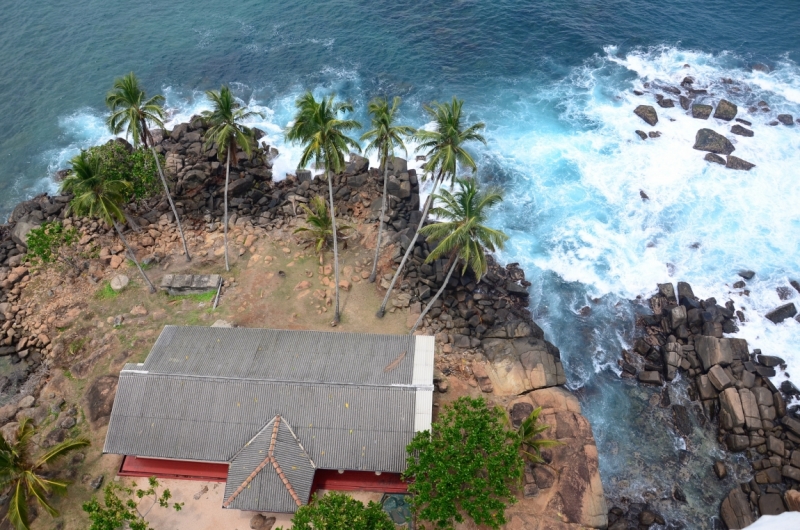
x=132, y=111
x=339, y=511
x=465, y=465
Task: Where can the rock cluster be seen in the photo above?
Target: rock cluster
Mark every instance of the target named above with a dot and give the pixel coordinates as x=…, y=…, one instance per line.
x=733, y=386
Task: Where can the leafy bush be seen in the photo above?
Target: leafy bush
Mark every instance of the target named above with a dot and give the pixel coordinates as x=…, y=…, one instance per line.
x=137, y=167
x=339, y=511
x=52, y=242
x=115, y=513
x=465, y=465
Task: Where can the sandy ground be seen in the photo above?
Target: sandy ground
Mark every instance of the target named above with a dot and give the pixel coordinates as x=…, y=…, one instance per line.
x=206, y=513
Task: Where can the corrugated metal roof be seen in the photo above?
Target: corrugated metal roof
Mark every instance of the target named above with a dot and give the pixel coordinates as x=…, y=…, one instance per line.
x=282, y=355
x=265, y=491
x=204, y=393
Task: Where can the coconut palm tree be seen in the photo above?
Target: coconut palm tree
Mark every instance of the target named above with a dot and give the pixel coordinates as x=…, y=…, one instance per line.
x=384, y=137
x=319, y=232
x=444, y=147
x=317, y=126
x=531, y=444
x=228, y=132
x=21, y=473
x=131, y=111
x=462, y=234
x=98, y=197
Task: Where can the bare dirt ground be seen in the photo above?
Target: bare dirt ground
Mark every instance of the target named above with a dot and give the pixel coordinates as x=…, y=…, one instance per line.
x=275, y=282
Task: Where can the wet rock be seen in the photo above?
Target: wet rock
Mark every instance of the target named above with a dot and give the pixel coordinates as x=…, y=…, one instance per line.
x=726, y=110
x=666, y=103
x=708, y=140
x=712, y=350
x=731, y=414
x=735, y=510
x=647, y=113
x=786, y=119
x=643, y=195
x=779, y=314
x=711, y=157
x=650, y=377
x=641, y=134
x=737, y=163
x=682, y=420
x=740, y=120
x=742, y=131
x=770, y=360
x=720, y=470
x=701, y=112
x=654, y=134
x=685, y=102
x=746, y=274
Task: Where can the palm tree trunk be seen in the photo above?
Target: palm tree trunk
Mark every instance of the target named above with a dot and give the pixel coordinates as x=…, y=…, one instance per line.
x=374, y=273
x=225, y=225
x=335, y=248
x=133, y=257
x=172, y=204
x=428, y=202
x=436, y=297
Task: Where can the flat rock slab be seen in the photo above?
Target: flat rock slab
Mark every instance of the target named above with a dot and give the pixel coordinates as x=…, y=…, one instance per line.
x=182, y=284
x=647, y=113
x=741, y=131
x=779, y=314
x=713, y=142
x=726, y=110
x=701, y=112
x=734, y=162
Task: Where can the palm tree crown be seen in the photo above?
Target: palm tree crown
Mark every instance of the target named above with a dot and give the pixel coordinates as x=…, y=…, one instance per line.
x=131, y=111
x=317, y=126
x=444, y=144
x=385, y=136
x=19, y=471
x=462, y=233
x=94, y=195
x=226, y=119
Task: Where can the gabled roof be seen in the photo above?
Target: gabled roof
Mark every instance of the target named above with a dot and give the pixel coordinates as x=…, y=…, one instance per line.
x=272, y=465
x=353, y=401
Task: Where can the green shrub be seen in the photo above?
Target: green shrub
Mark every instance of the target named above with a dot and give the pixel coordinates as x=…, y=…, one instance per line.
x=339, y=511
x=52, y=242
x=465, y=465
x=137, y=167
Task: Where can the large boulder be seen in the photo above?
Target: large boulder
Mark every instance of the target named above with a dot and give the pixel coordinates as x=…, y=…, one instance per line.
x=735, y=510
x=701, y=112
x=726, y=110
x=519, y=365
x=742, y=131
x=713, y=142
x=731, y=414
x=647, y=113
x=712, y=350
x=779, y=314
x=19, y=234
x=183, y=284
x=752, y=417
x=570, y=485
x=735, y=162
x=100, y=399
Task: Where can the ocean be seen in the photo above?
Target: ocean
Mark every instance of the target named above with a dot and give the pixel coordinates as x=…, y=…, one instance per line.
x=553, y=81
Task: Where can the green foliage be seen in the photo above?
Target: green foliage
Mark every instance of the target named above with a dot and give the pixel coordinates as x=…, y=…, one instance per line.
x=319, y=232
x=444, y=144
x=339, y=511
x=318, y=128
x=132, y=111
x=226, y=128
x=95, y=195
x=462, y=233
x=23, y=476
x=385, y=135
x=138, y=168
x=531, y=444
x=202, y=297
x=464, y=466
x=106, y=292
x=52, y=242
x=116, y=513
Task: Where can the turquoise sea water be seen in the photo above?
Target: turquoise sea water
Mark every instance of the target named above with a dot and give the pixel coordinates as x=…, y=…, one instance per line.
x=553, y=81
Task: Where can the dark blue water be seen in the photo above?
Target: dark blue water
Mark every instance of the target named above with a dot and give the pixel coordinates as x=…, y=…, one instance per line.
x=552, y=80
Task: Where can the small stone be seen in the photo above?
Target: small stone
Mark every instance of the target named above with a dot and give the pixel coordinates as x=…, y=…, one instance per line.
x=344, y=285
x=26, y=402
x=119, y=282
x=741, y=131
x=97, y=482
x=201, y=493
x=641, y=134
x=711, y=157
x=302, y=286
x=720, y=469
x=735, y=162
x=726, y=110
x=139, y=311
x=647, y=113
x=67, y=423
x=785, y=119
x=117, y=261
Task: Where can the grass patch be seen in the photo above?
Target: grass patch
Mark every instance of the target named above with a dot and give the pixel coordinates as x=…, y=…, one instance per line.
x=77, y=345
x=106, y=292
x=202, y=297
x=143, y=265
x=69, y=375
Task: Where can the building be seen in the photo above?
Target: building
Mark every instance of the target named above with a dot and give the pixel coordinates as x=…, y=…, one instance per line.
x=273, y=413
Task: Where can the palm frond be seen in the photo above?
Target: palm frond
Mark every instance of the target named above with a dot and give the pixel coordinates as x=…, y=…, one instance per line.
x=18, y=507
x=60, y=449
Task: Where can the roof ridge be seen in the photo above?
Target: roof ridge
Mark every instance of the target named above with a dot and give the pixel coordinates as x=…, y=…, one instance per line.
x=270, y=458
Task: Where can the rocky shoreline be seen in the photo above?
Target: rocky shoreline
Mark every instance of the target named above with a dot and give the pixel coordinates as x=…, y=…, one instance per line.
x=484, y=331
x=732, y=386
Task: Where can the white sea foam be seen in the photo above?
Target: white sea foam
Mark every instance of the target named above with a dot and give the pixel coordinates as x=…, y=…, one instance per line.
x=590, y=224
